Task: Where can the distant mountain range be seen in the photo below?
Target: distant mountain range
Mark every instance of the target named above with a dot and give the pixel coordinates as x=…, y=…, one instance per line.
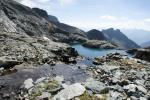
x=139, y=36
x=146, y=44
x=114, y=36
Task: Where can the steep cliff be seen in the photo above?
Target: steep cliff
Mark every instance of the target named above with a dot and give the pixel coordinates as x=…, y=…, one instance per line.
x=119, y=38
x=18, y=18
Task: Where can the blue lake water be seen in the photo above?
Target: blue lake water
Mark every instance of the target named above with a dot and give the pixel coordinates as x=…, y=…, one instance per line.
x=90, y=52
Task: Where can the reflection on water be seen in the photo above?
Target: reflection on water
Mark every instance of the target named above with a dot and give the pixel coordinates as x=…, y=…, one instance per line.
x=89, y=52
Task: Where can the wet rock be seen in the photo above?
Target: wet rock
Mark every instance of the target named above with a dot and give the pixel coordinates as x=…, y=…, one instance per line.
x=8, y=63
x=70, y=92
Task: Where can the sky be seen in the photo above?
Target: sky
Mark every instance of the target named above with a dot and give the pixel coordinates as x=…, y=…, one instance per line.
x=98, y=14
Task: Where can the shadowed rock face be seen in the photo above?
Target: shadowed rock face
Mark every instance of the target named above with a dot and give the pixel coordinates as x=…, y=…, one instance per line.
x=18, y=18
x=53, y=18
x=143, y=54
x=41, y=12
x=23, y=19
x=75, y=33
x=119, y=38
x=95, y=35
x=113, y=36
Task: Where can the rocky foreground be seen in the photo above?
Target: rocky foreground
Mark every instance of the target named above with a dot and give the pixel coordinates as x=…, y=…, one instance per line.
x=113, y=77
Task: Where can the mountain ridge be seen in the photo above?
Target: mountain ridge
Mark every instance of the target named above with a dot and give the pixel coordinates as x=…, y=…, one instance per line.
x=146, y=44
x=33, y=22
x=114, y=36
x=137, y=35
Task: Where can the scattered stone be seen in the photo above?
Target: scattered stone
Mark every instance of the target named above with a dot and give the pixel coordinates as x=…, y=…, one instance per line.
x=95, y=86
x=116, y=96
x=142, y=89
x=70, y=92
x=130, y=87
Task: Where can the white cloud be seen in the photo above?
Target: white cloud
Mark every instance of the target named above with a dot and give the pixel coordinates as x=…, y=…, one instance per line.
x=108, y=17
x=147, y=20
x=43, y=1
x=65, y=2
x=39, y=3
x=29, y=3
x=120, y=23
x=112, y=18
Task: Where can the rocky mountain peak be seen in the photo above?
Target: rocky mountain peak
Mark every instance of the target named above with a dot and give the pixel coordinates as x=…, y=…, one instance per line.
x=18, y=18
x=95, y=34
x=120, y=38
x=41, y=12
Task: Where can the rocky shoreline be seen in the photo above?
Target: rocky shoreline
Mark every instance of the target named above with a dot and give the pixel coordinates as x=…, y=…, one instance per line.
x=99, y=44
x=143, y=54
x=113, y=77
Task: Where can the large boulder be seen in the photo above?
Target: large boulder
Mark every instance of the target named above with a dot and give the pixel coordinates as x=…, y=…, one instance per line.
x=143, y=54
x=70, y=92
